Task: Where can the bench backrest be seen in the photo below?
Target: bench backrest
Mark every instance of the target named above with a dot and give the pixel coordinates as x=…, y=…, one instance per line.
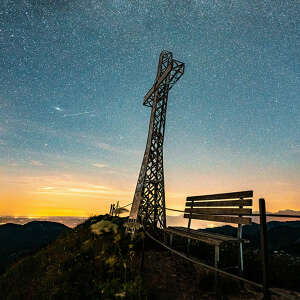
x=228, y=207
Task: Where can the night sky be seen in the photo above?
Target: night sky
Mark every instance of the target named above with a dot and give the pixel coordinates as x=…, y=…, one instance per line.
x=73, y=76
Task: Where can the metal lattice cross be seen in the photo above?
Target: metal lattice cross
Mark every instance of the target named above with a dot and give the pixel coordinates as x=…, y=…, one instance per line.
x=149, y=199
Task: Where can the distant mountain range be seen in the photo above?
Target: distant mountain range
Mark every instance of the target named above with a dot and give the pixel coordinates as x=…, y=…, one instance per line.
x=288, y=212
x=68, y=221
x=19, y=240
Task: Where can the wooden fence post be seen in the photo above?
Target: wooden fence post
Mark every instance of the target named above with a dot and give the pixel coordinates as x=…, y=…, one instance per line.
x=112, y=209
x=264, y=248
x=117, y=209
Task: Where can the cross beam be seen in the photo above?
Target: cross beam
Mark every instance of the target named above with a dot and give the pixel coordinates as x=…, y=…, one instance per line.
x=148, y=205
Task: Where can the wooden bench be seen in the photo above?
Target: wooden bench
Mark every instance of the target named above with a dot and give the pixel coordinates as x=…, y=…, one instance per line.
x=228, y=208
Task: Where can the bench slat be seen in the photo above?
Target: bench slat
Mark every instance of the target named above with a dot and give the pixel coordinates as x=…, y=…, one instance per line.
x=210, y=238
x=220, y=211
x=202, y=232
x=234, y=195
x=247, y=202
x=226, y=219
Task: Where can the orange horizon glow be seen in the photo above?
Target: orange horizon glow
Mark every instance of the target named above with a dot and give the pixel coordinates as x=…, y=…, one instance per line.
x=77, y=196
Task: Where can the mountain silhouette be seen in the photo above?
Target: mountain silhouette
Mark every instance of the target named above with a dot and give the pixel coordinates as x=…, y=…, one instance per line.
x=19, y=240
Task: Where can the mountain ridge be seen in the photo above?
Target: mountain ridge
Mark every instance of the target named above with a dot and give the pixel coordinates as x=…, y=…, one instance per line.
x=20, y=240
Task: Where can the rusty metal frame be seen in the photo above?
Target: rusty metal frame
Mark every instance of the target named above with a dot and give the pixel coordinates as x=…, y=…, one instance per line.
x=148, y=205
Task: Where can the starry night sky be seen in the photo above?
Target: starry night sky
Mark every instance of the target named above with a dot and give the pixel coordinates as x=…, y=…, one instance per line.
x=73, y=77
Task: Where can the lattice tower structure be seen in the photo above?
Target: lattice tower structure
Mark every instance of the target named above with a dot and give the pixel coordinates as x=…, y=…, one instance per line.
x=148, y=205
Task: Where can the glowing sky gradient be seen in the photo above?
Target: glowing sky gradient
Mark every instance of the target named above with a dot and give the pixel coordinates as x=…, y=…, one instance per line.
x=73, y=76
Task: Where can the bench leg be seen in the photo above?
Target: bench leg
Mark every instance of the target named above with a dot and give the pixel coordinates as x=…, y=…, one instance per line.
x=217, y=259
x=171, y=239
x=188, y=246
x=217, y=256
x=241, y=262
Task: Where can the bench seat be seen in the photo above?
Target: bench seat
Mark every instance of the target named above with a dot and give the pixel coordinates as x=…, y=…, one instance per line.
x=226, y=208
x=204, y=236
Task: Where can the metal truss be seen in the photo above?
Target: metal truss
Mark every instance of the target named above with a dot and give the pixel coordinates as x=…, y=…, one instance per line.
x=148, y=205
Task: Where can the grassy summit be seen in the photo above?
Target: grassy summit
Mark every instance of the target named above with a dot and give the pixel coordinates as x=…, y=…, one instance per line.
x=94, y=261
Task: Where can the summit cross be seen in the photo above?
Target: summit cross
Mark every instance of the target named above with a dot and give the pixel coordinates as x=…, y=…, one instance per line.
x=148, y=205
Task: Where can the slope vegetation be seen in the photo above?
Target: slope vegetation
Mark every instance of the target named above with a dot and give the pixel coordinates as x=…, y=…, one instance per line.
x=93, y=261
